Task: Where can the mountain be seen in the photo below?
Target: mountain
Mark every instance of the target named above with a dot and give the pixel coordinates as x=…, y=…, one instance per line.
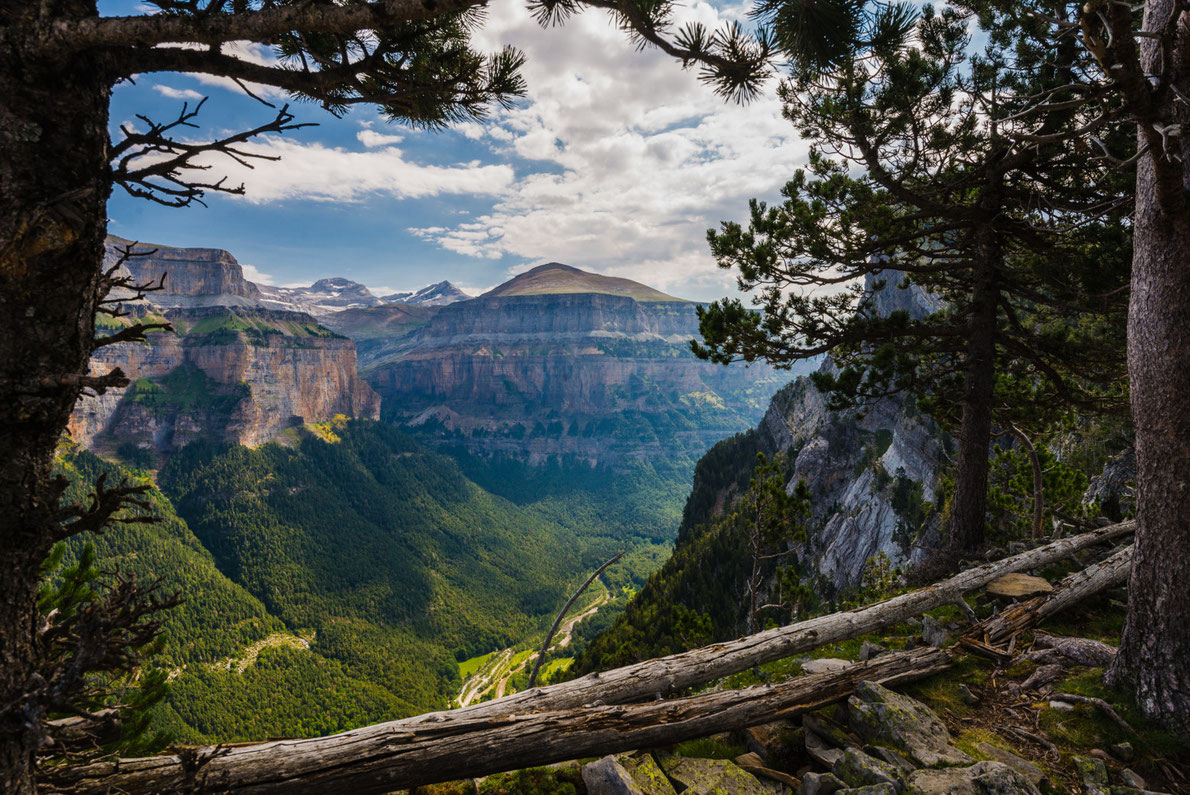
x=560, y=362
x=556, y=278
x=324, y=297
x=237, y=374
x=193, y=277
x=438, y=294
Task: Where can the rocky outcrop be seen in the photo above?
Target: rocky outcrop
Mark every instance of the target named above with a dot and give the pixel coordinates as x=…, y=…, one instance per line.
x=193, y=276
x=237, y=374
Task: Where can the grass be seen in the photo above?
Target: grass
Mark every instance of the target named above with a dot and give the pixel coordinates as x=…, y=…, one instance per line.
x=709, y=748
x=469, y=666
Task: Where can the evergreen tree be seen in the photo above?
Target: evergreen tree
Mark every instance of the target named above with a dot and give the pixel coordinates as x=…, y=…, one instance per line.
x=926, y=170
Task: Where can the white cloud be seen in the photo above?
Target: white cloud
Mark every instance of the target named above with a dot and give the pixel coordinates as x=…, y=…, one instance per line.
x=371, y=138
x=316, y=172
x=253, y=274
x=177, y=93
x=639, y=157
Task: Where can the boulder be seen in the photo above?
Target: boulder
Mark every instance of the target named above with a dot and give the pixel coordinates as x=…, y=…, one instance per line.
x=825, y=665
x=821, y=751
x=857, y=769
x=933, y=633
x=779, y=744
x=714, y=776
x=821, y=784
x=1022, y=766
x=982, y=778
x=891, y=757
x=606, y=776
x=869, y=650
x=870, y=789
x=646, y=773
x=1093, y=773
x=1018, y=586
x=882, y=717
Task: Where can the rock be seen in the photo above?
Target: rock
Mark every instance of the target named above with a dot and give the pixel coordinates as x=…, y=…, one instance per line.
x=1123, y=751
x=982, y=778
x=968, y=697
x=825, y=665
x=882, y=717
x=606, y=776
x=1062, y=706
x=820, y=751
x=646, y=773
x=891, y=757
x=828, y=729
x=1093, y=773
x=871, y=789
x=1023, y=766
x=779, y=744
x=857, y=769
x=1018, y=586
x=1017, y=547
x=869, y=650
x=717, y=776
x=821, y=784
x=1131, y=778
x=933, y=633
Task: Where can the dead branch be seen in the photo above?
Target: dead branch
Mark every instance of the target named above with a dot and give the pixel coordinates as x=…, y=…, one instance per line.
x=562, y=613
x=1100, y=704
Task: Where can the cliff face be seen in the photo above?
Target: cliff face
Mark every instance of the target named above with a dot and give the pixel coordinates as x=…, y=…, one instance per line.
x=592, y=375
x=237, y=374
x=193, y=276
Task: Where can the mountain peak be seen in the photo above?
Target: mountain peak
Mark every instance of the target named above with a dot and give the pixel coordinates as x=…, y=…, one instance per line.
x=433, y=295
x=555, y=278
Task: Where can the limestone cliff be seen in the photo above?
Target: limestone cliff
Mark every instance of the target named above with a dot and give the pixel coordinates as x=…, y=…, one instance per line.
x=530, y=370
x=238, y=374
x=193, y=276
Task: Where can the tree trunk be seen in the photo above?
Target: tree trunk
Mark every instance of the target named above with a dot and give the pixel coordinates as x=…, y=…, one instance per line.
x=1155, y=646
x=968, y=509
x=53, y=190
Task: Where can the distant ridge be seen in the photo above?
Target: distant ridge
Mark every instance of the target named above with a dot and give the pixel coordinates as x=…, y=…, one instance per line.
x=439, y=294
x=554, y=278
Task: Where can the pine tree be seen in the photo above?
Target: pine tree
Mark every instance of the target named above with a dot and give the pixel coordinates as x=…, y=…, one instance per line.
x=926, y=170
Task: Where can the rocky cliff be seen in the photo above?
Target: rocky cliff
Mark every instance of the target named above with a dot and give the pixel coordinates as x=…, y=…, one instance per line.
x=530, y=370
x=238, y=374
x=193, y=276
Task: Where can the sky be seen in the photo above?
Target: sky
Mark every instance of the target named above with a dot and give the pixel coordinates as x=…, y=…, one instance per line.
x=616, y=161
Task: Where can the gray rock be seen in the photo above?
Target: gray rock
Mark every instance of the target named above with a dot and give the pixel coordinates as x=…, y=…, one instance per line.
x=1022, y=766
x=933, y=633
x=828, y=729
x=820, y=751
x=821, y=784
x=882, y=717
x=1123, y=751
x=606, y=776
x=871, y=789
x=982, y=778
x=714, y=776
x=1132, y=779
x=825, y=665
x=646, y=773
x=891, y=757
x=869, y=650
x=857, y=769
x=967, y=696
x=1093, y=773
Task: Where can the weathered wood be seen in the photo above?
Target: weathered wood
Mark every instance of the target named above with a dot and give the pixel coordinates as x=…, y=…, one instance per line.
x=354, y=753
x=439, y=747
x=1072, y=590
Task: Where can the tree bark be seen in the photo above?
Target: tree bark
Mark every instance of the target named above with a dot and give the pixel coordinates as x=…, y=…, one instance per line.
x=1155, y=645
x=442, y=747
x=53, y=188
x=968, y=509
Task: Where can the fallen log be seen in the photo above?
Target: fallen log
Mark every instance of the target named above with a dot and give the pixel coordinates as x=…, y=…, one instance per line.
x=1113, y=570
x=461, y=744
x=268, y=764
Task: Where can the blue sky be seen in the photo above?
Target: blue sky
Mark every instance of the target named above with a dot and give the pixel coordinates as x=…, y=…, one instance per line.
x=617, y=161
